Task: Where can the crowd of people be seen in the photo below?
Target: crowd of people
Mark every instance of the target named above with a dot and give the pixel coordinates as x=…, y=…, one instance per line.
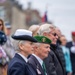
x=40, y=50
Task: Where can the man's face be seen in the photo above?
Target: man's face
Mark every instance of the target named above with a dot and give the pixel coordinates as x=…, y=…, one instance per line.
x=52, y=36
x=57, y=30
x=27, y=48
x=43, y=50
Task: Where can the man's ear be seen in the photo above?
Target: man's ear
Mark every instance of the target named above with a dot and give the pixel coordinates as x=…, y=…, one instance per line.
x=21, y=46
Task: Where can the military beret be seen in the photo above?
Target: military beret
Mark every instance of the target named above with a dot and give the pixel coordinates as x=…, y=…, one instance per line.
x=42, y=39
x=73, y=33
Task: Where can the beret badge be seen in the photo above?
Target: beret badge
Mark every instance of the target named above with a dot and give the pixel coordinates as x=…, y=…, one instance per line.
x=43, y=39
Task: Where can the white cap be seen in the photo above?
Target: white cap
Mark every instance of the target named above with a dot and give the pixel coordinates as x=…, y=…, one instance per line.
x=22, y=32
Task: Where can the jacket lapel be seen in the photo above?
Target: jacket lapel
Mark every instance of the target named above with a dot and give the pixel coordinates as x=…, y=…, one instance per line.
x=36, y=65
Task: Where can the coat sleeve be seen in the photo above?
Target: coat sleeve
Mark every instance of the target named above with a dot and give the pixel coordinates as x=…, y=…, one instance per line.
x=50, y=65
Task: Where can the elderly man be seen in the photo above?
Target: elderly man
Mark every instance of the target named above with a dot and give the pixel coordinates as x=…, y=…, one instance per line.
x=41, y=50
x=18, y=65
x=53, y=62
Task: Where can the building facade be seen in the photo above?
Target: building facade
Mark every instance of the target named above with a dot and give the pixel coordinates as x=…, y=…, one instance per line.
x=12, y=12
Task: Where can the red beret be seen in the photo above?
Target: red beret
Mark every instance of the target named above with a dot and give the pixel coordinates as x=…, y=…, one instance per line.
x=73, y=33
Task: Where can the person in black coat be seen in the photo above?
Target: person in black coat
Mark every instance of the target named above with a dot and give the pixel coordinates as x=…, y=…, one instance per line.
x=71, y=46
x=53, y=62
x=41, y=50
x=18, y=65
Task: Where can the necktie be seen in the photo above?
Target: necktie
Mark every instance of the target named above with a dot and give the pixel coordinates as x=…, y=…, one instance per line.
x=44, y=68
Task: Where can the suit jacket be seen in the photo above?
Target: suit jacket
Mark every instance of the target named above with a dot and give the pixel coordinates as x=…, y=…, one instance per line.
x=53, y=65
x=72, y=55
x=33, y=62
x=18, y=66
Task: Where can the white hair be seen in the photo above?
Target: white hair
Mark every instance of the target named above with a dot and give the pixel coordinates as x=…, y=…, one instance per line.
x=16, y=45
x=33, y=27
x=36, y=44
x=45, y=28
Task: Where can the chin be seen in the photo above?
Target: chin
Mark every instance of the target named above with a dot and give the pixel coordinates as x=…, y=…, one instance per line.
x=54, y=43
x=46, y=55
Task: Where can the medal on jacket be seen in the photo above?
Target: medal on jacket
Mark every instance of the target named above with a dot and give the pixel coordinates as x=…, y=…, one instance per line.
x=38, y=71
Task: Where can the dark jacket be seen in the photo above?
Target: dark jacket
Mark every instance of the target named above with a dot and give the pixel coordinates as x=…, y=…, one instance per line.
x=59, y=53
x=33, y=62
x=18, y=66
x=53, y=63
x=72, y=55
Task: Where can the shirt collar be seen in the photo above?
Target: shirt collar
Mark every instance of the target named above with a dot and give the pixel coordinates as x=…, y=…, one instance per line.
x=39, y=60
x=23, y=57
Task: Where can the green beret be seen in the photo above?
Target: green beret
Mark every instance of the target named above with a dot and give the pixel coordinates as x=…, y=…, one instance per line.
x=42, y=39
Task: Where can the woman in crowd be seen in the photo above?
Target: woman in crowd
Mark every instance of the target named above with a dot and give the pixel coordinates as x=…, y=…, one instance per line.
x=2, y=27
x=66, y=55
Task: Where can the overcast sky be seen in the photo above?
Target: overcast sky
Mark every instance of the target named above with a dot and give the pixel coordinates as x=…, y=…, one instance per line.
x=61, y=12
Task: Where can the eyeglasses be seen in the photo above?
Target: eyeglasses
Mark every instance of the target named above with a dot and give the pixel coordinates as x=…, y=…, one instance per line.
x=54, y=34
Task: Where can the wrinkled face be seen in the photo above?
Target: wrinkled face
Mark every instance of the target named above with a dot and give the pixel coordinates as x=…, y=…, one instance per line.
x=52, y=36
x=1, y=25
x=26, y=48
x=43, y=50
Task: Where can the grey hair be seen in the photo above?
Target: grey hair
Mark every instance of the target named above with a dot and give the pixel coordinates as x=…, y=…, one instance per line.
x=45, y=28
x=34, y=28
x=16, y=45
x=36, y=44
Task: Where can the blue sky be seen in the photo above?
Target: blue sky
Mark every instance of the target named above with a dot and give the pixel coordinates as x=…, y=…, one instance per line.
x=61, y=12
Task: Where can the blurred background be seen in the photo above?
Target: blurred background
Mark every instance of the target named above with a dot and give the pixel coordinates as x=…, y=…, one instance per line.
x=24, y=13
